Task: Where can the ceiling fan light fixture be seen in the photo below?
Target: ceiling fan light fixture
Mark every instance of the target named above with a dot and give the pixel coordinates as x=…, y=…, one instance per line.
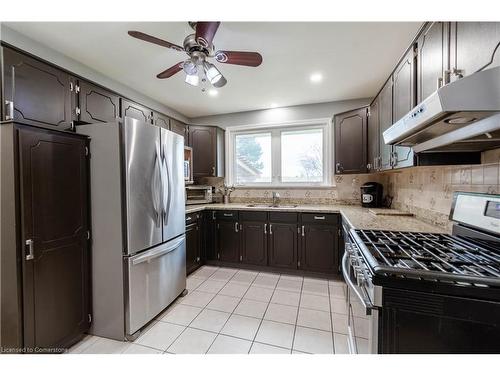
x=190, y=68
x=213, y=74
x=220, y=82
x=192, y=79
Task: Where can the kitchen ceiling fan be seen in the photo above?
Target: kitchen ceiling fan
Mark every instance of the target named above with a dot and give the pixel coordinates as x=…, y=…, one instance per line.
x=199, y=47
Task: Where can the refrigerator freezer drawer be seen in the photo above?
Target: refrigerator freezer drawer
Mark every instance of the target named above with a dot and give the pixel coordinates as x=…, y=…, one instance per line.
x=154, y=279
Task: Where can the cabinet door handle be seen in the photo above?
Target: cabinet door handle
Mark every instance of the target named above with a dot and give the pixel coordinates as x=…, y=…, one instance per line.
x=337, y=168
x=9, y=110
x=265, y=228
x=213, y=171
x=188, y=218
x=236, y=227
x=270, y=229
x=303, y=231
x=439, y=83
x=319, y=218
x=31, y=253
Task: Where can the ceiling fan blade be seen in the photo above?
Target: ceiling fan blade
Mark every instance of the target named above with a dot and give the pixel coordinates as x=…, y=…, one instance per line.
x=154, y=40
x=239, y=58
x=170, y=71
x=205, y=32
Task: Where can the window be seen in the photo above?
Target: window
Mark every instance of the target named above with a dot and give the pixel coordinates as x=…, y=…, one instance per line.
x=302, y=156
x=280, y=155
x=253, y=158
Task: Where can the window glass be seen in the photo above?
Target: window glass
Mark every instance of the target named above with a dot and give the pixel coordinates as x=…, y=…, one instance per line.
x=253, y=158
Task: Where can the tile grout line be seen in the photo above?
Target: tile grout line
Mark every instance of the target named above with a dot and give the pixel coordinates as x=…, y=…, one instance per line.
x=203, y=308
x=263, y=315
x=218, y=333
x=331, y=318
x=297, y=317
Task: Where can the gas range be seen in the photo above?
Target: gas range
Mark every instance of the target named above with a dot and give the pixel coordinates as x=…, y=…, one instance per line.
x=429, y=256
x=412, y=292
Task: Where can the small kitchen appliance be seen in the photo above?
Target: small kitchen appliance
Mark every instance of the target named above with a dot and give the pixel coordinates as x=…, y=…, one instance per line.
x=199, y=194
x=371, y=194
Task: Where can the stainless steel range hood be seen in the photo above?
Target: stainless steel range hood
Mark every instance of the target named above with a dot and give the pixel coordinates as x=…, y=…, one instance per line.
x=461, y=116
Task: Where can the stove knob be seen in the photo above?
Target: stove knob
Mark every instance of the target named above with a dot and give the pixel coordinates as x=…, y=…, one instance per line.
x=361, y=279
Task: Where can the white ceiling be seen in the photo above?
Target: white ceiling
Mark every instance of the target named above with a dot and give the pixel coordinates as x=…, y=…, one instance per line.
x=354, y=59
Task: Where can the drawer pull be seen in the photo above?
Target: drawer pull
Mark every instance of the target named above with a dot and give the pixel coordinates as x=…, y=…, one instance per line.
x=229, y=215
x=188, y=218
x=319, y=218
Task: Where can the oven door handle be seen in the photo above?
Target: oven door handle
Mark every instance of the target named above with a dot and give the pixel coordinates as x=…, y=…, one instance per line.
x=364, y=300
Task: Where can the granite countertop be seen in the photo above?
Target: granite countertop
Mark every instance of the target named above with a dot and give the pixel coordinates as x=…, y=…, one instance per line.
x=356, y=216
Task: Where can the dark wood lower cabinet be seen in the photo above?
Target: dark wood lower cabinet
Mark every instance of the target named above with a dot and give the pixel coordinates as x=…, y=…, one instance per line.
x=53, y=174
x=283, y=245
x=209, y=247
x=272, y=240
x=319, y=248
x=228, y=241
x=193, y=247
x=254, y=242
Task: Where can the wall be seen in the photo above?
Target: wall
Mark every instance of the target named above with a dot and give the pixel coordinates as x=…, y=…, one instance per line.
x=46, y=53
x=273, y=115
x=427, y=192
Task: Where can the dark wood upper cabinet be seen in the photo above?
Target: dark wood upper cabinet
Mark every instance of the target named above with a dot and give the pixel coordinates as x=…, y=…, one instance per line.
x=432, y=59
x=228, y=241
x=53, y=170
x=180, y=128
x=319, y=248
x=373, y=134
x=283, y=245
x=404, y=99
x=254, y=242
x=385, y=121
x=161, y=120
x=97, y=104
x=472, y=47
x=137, y=111
x=40, y=93
x=203, y=140
x=351, y=141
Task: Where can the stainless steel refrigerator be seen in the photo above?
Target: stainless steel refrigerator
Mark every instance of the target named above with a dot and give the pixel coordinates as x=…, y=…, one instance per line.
x=138, y=224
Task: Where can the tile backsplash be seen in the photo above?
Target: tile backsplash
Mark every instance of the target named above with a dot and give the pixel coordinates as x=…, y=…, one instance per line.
x=345, y=191
x=426, y=192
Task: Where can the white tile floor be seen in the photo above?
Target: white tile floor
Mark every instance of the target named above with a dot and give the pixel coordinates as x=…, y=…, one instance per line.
x=238, y=311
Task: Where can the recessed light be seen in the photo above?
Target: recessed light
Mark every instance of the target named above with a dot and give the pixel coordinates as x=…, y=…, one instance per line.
x=213, y=92
x=273, y=105
x=316, y=77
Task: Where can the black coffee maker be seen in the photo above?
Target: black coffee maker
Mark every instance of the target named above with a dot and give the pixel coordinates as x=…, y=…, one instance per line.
x=371, y=194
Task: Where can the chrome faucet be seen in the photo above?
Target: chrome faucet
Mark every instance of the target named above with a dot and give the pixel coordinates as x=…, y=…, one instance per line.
x=276, y=198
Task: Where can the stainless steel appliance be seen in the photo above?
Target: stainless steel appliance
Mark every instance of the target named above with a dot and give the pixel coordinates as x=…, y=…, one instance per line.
x=460, y=116
x=199, y=194
x=138, y=224
x=371, y=194
x=423, y=292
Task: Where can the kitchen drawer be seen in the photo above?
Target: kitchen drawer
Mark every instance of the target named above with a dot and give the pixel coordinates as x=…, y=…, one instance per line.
x=253, y=216
x=321, y=218
x=193, y=217
x=226, y=215
x=283, y=217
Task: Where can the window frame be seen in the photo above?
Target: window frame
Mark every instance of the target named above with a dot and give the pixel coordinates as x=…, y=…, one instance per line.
x=275, y=129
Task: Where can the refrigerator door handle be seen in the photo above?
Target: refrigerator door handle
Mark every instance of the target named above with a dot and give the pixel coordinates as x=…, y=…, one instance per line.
x=158, y=252
x=156, y=179
x=166, y=184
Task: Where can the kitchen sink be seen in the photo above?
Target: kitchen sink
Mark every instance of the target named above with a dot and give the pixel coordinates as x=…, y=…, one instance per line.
x=272, y=205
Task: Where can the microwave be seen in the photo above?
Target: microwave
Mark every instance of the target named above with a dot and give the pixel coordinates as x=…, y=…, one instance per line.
x=198, y=194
